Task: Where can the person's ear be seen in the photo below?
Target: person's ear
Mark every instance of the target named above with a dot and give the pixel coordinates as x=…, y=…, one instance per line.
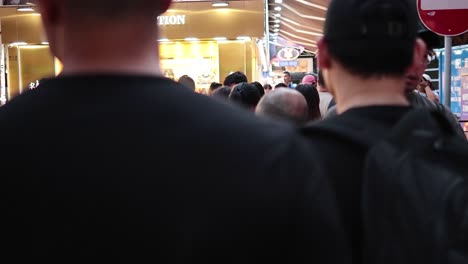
x=419, y=56
x=323, y=57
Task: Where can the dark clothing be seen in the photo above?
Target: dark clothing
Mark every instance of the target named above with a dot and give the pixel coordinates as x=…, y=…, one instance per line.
x=141, y=168
x=343, y=160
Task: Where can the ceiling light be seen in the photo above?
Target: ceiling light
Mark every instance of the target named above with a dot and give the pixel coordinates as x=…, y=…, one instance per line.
x=18, y=43
x=163, y=40
x=220, y=4
x=220, y=38
x=276, y=29
x=25, y=9
x=276, y=25
x=277, y=15
x=278, y=8
x=277, y=21
x=45, y=43
x=191, y=39
x=278, y=1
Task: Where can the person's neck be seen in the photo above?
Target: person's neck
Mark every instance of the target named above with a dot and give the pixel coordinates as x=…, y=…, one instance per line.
x=351, y=92
x=121, y=52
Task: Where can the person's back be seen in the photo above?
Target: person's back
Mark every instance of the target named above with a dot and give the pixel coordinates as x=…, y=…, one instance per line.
x=367, y=80
x=112, y=166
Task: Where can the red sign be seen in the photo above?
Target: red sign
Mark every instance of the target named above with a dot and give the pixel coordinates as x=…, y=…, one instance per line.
x=444, y=17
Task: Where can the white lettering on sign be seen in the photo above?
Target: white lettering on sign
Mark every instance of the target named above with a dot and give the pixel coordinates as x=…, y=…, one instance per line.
x=443, y=4
x=171, y=20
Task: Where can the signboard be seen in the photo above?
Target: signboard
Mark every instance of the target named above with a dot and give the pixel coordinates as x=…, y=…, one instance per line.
x=443, y=5
x=464, y=92
x=459, y=98
x=444, y=17
x=288, y=53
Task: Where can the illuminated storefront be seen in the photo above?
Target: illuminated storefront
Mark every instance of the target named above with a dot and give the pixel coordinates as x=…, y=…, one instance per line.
x=196, y=39
x=27, y=58
x=207, y=43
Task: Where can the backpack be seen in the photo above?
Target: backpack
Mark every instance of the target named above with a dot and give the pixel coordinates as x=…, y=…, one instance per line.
x=415, y=192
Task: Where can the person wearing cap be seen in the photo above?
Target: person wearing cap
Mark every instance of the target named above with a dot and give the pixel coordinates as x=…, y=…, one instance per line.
x=108, y=161
x=424, y=88
x=365, y=52
x=309, y=79
x=414, y=76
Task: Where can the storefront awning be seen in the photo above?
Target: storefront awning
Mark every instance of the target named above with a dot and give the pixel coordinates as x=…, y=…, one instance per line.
x=299, y=21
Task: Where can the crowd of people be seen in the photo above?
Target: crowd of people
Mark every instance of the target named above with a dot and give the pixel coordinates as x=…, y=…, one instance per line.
x=110, y=161
x=299, y=105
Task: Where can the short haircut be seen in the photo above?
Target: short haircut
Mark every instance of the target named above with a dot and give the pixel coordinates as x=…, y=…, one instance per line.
x=222, y=93
x=235, y=78
x=287, y=73
x=187, y=81
x=281, y=85
x=245, y=94
x=378, y=38
x=259, y=88
x=312, y=97
x=214, y=86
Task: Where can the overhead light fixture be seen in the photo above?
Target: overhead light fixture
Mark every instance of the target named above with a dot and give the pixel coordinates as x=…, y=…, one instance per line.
x=220, y=4
x=191, y=39
x=278, y=8
x=278, y=15
x=45, y=43
x=220, y=38
x=163, y=40
x=25, y=9
x=278, y=1
x=277, y=21
x=276, y=25
x=276, y=29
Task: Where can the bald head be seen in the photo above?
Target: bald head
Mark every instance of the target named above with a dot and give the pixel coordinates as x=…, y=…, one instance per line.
x=283, y=104
x=111, y=36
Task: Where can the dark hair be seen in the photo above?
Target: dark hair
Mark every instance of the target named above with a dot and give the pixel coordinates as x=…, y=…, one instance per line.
x=287, y=73
x=379, y=37
x=320, y=80
x=187, y=81
x=259, y=88
x=214, y=86
x=281, y=85
x=235, y=78
x=245, y=95
x=313, y=100
x=222, y=93
x=267, y=87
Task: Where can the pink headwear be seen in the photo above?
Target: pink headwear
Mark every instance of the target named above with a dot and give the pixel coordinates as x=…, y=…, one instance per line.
x=309, y=79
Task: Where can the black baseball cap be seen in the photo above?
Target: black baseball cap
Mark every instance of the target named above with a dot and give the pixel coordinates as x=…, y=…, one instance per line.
x=431, y=39
x=371, y=20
